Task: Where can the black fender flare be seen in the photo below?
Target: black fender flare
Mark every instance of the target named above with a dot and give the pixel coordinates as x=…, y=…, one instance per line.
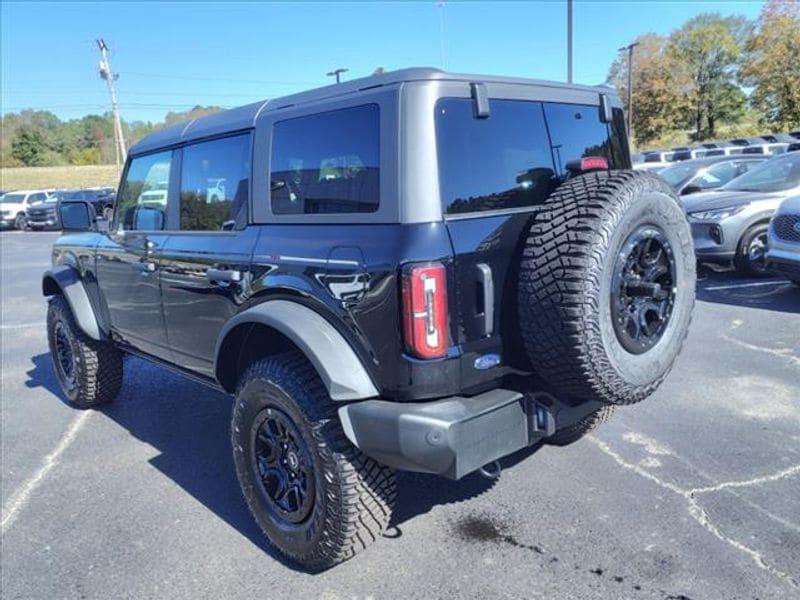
x=329, y=352
x=66, y=280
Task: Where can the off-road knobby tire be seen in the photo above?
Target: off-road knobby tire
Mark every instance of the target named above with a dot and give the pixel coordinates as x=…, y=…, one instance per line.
x=98, y=364
x=354, y=495
x=565, y=279
x=568, y=435
x=742, y=259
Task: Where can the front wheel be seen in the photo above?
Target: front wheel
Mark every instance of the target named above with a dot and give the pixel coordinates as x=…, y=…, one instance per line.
x=20, y=223
x=752, y=252
x=108, y=213
x=316, y=497
x=88, y=371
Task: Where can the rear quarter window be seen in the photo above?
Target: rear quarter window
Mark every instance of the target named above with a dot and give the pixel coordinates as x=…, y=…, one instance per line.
x=327, y=163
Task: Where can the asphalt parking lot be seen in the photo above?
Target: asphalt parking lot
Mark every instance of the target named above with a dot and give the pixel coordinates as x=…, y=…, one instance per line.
x=694, y=493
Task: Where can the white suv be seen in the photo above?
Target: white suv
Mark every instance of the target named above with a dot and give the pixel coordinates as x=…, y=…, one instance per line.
x=14, y=204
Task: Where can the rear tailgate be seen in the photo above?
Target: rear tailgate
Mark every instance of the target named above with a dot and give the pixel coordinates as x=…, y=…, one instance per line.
x=493, y=173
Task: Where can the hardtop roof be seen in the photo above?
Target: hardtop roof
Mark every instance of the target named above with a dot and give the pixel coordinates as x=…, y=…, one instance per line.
x=244, y=117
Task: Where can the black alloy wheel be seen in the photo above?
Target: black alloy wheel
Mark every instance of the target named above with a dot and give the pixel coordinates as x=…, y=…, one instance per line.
x=65, y=356
x=283, y=466
x=643, y=289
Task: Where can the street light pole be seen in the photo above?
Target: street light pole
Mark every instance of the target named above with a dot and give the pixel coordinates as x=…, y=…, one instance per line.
x=569, y=41
x=336, y=73
x=629, y=48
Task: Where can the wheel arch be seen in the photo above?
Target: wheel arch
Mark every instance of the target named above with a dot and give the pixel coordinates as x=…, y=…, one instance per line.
x=278, y=325
x=65, y=280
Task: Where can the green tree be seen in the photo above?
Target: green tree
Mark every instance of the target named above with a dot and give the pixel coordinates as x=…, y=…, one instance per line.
x=772, y=64
x=659, y=88
x=709, y=47
x=28, y=146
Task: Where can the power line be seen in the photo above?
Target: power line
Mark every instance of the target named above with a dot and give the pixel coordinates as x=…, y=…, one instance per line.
x=218, y=79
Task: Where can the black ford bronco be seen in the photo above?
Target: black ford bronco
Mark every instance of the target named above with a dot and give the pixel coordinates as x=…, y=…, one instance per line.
x=417, y=270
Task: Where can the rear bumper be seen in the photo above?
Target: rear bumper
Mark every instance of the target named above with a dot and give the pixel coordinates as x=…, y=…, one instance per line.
x=454, y=436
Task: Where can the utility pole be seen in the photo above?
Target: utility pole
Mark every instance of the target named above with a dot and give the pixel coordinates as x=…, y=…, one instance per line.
x=629, y=48
x=336, y=73
x=569, y=41
x=110, y=77
x=440, y=5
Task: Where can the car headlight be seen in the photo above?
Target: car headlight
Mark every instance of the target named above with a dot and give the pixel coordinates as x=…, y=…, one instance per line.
x=718, y=214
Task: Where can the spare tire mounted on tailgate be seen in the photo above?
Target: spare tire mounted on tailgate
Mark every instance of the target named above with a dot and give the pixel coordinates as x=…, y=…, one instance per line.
x=607, y=285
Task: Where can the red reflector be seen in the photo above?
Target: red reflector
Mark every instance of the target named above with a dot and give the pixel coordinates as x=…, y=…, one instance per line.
x=425, y=310
x=593, y=163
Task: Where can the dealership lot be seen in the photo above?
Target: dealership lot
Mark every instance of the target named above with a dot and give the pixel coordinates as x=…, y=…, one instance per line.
x=693, y=494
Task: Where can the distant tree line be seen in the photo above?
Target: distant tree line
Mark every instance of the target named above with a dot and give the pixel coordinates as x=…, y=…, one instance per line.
x=38, y=138
x=716, y=76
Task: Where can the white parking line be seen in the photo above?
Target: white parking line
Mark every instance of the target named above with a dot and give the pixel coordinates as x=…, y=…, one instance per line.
x=21, y=325
x=21, y=496
x=744, y=285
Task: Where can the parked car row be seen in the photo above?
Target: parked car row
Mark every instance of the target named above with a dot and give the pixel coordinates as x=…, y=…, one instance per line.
x=37, y=209
x=729, y=202
x=766, y=145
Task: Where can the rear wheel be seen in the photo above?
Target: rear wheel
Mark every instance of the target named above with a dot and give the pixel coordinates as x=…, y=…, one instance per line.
x=606, y=286
x=316, y=497
x=108, y=213
x=571, y=434
x=19, y=222
x=751, y=256
x=88, y=371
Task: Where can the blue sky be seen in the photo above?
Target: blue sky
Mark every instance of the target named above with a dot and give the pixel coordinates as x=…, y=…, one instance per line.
x=171, y=56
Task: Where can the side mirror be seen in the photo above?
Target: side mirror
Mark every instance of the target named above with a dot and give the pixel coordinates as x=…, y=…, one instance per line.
x=691, y=189
x=77, y=216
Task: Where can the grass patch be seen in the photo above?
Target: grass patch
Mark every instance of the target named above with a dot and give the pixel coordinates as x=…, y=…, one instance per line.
x=32, y=178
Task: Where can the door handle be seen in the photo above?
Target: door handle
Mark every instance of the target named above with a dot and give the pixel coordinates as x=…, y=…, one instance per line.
x=145, y=267
x=223, y=275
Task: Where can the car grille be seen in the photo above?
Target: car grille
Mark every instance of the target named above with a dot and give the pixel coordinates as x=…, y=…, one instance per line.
x=787, y=227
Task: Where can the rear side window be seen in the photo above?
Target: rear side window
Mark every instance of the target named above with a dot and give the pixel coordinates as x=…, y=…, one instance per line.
x=577, y=132
x=502, y=162
x=215, y=177
x=327, y=163
x=142, y=203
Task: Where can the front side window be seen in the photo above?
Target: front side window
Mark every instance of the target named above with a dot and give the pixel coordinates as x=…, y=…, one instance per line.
x=142, y=204
x=502, y=162
x=215, y=177
x=327, y=163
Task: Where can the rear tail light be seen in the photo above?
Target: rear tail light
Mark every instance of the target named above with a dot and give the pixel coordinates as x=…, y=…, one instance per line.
x=425, y=310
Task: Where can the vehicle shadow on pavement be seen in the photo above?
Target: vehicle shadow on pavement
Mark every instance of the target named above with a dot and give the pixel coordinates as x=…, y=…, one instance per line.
x=768, y=293
x=188, y=424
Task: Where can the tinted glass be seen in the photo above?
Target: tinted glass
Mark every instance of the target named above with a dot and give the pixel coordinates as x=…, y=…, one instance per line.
x=215, y=177
x=327, y=163
x=12, y=198
x=677, y=174
x=774, y=175
x=497, y=163
x=577, y=132
x=716, y=176
x=145, y=192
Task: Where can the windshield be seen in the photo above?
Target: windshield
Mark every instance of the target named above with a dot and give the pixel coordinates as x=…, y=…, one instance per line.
x=677, y=174
x=12, y=198
x=775, y=175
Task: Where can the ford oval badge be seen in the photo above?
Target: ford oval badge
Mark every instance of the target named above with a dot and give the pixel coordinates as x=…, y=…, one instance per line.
x=487, y=361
